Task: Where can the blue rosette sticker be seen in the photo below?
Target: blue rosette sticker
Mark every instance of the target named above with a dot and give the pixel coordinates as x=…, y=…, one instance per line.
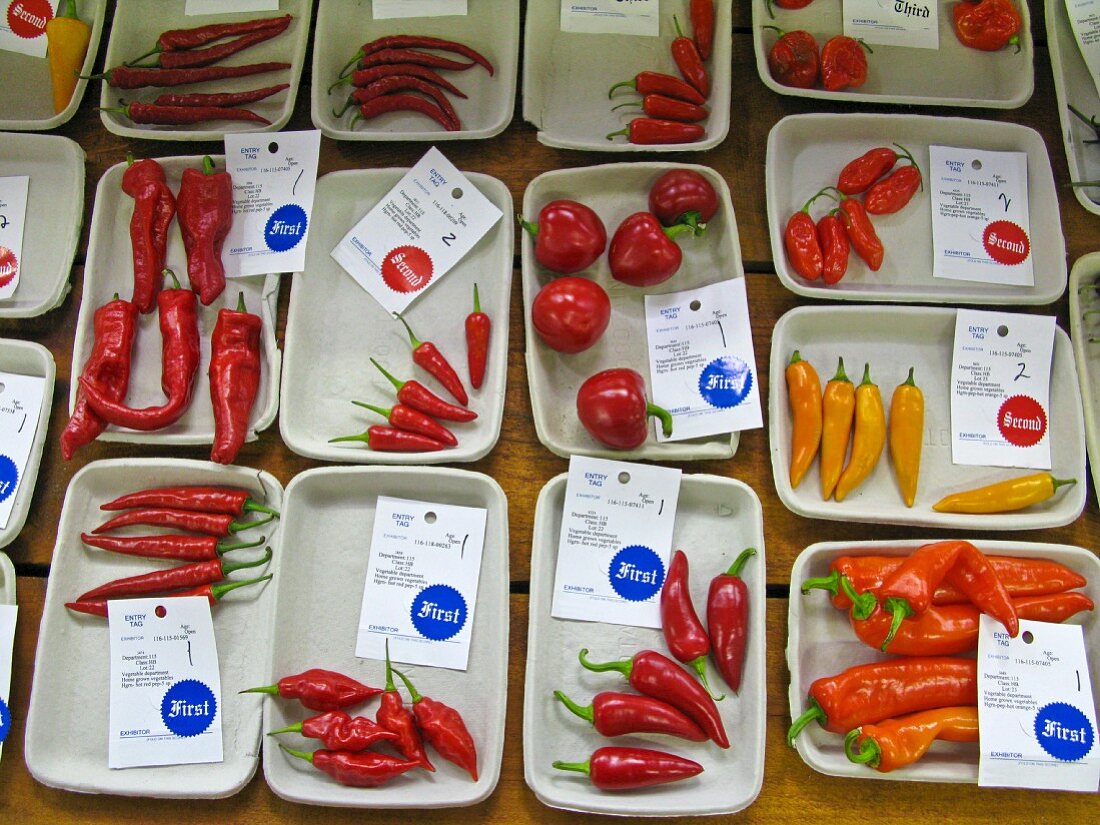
x=438, y=612
x=286, y=227
x=5, y=720
x=636, y=573
x=9, y=477
x=1064, y=731
x=725, y=382
x=188, y=708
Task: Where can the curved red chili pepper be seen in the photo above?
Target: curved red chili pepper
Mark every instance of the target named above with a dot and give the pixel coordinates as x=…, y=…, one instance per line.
x=835, y=247
x=213, y=593
x=444, y=728
x=201, y=35
x=219, y=98
x=340, y=731
x=412, y=420
x=404, y=103
x=205, y=205
x=407, y=41
x=168, y=546
x=702, y=26
x=212, y=524
x=478, y=327
x=385, y=57
x=229, y=500
x=419, y=397
x=395, y=83
x=154, y=208
x=685, y=635
x=669, y=108
x=180, y=115
x=427, y=356
x=622, y=714
x=728, y=620
x=395, y=716
x=125, y=77
x=689, y=62
x=619, y=769
x=393, y=440
x=320, y=689
x=235, y=366
x=365, y=769
x=193, y=58
x=364, y=77
x=645, y=83
x=160, y=581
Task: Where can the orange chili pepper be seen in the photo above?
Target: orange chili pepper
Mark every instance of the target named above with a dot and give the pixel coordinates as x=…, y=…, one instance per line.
x=907, y=436
x=1004, y=496
x=898, y=742
x=868, y=437
x=838, y=406
x=804, y=396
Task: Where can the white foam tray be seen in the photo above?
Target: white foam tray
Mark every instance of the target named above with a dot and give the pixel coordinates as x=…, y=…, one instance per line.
x=615, y=191
x=27, y=105
x=1084, y=323
x=893, y=339
x=329, y=516
x=134, y=30
x=67, y=724
x=55, y=213
x=109, y=269
x=566, y=78
x=490, y=26
x=7, y=580
x=716, y=519
x=820, y=643
x=28, y=358
x=806, y=153
x=953, y=75
x=333, y=327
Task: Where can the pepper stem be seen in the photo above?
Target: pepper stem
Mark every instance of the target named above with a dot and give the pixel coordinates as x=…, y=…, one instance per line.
x=219, y=590
x=813, y=712
x=414, y=697
x=167, y=273
x=358, y=55
x=663, y=414
x=347, y=105
x=692, y=219
x=676, y=22
x=866, y=376
x=831, y=583
x=240, y=303
x=343, y=81
x=869, y=752
x=623, y=666
x=1062, y=482
x=901, y=609
x=382, y=411
x=251, y=506
x=631, y=83
x=229, y=566
x=295, y=728
x=241, y=545
x=678, y=229
x=841, y=375
x=910, y=381
x=140, y=57
x=271, y=689
x=129, y=158
x=579, y=767
x=416, y=342
x=530, y=227
x=306, y=755
x=238, y=526
x=477, y=300
x=207, y=165
x=624, y=131
x=795, y=358
x=364, y=437
x=397, y=385
x=628, y=103
x=389, y=668
x=736, y=567
x=585, y=713
x=863, y=604
x=699, y=665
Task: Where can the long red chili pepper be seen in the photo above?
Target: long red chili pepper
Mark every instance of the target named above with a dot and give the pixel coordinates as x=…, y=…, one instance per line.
x=230, y=500
x=728, y=620
x=444, y=729
x=411, y=420
x=364, y=77
x=393, y=440
x=622, y=714
x=689, y=62
x=668, y=108
x=205, y=205
x=858, y=174
x=645, y=83
x=219, y=99
x=835, y=247
x=400, y=102
x=194, y=58
x=648, y=131
x=125, y=77
x=861, y=232
x=211, y=592
x=419, y=397
x=178, y=39
x=340, y=731
x=161, y=581
x=320, y=689
x=685, y=635
x=395, y=716
x=179, y=115
x=427, y=356
x=478, y=328
x=154, y=208
x=702, y=26
x=388, y=56
x=365, y=769
x=212, y=524
x=656, y=675
x=898, y=742
x=168, y=546
x=620, y=769
x=407, y=41
x=235, y=368
x=396, y=83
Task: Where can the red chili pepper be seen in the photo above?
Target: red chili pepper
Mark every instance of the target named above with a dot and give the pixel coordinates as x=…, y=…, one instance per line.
x=669, y=108
x=893, y=192
x=861, y=232
x=179, y=115
x=395, y=716
x=385, y=57
x=988, y=25
x=126, y=77
x=366, y=769
x=411, y=420
x=205, y=205
x=786, y=4
x=393, y=440
x=154, y=208
x=444, y=729
x=408, y=41
x=843, y=63
x=193, y=58
x=364, y=77
x=212, y=524
x=168, y=546
x=685, y=635
x=643, y=252
x=427, y=356
x=702, y=26
x=899, y=742
x=802, y=244
x=395, y=83
x=569, y=236
x=835, y=247
x=621, y=714
x=233, y=501
x=404, y=103
x=858, y=175
x=728, y=620
x=339, y=731
x=234, y=372
x=793, y=60
x=219, y=98
x=656, y=675
x=108, y=367
x=647, y=131
x=161, y=581
x=620, y=769
x=320, y=689
x=211, y=592
x=683, y=196
x=612, y=406
x=179, y=334
x=478, y=327
x=177, y=39
x=419, y=397
x=689, y=61
x=645, y=83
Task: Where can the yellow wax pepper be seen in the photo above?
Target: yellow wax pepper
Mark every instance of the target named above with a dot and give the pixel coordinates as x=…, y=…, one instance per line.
x=907, y=436
x=67, y=38
x=868, y=437
x=804, y=395
x=838, y=405
x=1004, y=496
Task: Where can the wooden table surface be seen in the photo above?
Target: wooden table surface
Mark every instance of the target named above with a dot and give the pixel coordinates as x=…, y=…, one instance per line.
x=522, y=466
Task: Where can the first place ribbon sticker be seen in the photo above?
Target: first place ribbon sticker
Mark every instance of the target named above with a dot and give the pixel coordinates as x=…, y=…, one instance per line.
x=188, y=708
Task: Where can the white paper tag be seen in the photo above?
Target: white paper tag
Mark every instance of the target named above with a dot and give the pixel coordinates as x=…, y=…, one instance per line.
x=8, y=614
x=165, y=684
x=616, y=540
x=421, y=588
x=194, y=7
x=911, y=23
x=980, y=225
x=1035, y=708
x=389, y=9
x=1084, y=19
x=274, y=176
x=1000, y=389
x=702, y=365
x=20, y=404
x=13, y=216
x=416, y=233
x=23, y=25
x=611, y=17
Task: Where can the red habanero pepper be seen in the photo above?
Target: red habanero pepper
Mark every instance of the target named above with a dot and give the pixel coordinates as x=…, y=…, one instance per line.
x=685, y=635
x=858, y=174
x=230, y=500
x=396, y=83
x=340, y=731
x=987, y=25
x=395, y=716
x=478, y=326
x=728, y=620
x=219, y=98
x=393, y=440
x=385, y=57
x=412, y=420
x=178, y=115
x=898, y=742
x=893, y=192
x=168, y=546
x=108, y=367
x=569, y=236
x=621, y=769
x=702, y=26
x=401, y=102
x=212, y=524
x=365, y=769
x=160, y=581
x=408, y=41
x=125, y=77
x=320, y=689
x=621, y=714
x=180, y=39
x=656, y=675
x=643, y=252
x=234, y=378
x=669, y=108
x=801, y=242
x=193, y=58
x=683, y=196
x=419, y=397
x=444, y=729
x=793, y=59
x=364, y=77
x=786, y=4
x=648, y=131
x=154, y=208
x=646, y=83
x=835, y=247
x=211, y=592
x=427, y=356
x=613, y=408
x=861, y=232
x=689, y=61
x=843, y=63
x=205, y=206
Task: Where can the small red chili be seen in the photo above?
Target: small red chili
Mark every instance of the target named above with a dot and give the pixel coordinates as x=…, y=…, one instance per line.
x=478, y=326
x=702, y=26
x=893, y=192
x=622, y=714
x=858, y=175
x=444, y=729
x=620, y=769
x=411, y=420
x=793, y=60
x=393, y=440
x=427, y=356
x=835, y=247
x=645, y=83
x=340, y=731
x=168, y=546
x=802, y=244
x=648, y=131
x=689, y=62
x=212, y=524
x=643, y=252
x=394, y=715
x=401, y=102
x=419, y=397
x=320, y=689
x=213, y=593
x=366, y=769
x=397, y=83
x=684, y=634
x=861, y=232
x=728, y=620
x=843, y=63
x=668, y=108
x=160, y=581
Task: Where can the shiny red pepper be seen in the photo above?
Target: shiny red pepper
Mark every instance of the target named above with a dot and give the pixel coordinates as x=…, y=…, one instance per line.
x=320, y=689
x=987, y=25
x=394, y=715
x=159, y=114
x=622, y=714
x=728, y=620
x=213, y=593
x=685, y=635
x=161, y=581
x=835, y=247
x=683, y=196
x=643, y=252
x=419, y=397
x=205, y=211
x=393, y=440
x=858, y=174
x=411, y=420
x=648, y=131
x=444, y=729
x=340, y=731
x=689, y=61
x=861, y=233
x=793, y=59
x=843, y=63
x=702, y=26
x=669, y=108
x=645, y=83
x=620, y=769
x=219, y=99
x=612, y=406
x=235, y=366
x=212, y=524
x=365, y=769
x=385, y=57
x=230, y=500
x=478, y=327
x=126, y=77
x=154, y=208
x=427, y=356
x=893, y=192
x=802, y=244
x=569, y=236
x=167, y=546
x=786, y=4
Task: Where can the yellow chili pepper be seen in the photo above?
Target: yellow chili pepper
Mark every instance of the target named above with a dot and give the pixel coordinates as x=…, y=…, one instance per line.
x=838, y=406
x=67, y=38
x=804, y=396
x=1004, y=496
x=907, y=436
x=868, y=436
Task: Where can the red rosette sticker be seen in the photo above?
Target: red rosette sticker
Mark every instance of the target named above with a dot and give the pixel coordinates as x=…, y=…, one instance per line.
x=9, y=266
x=28, y=18
x=1006, y=243
x=1022, y=421
x=407, y=269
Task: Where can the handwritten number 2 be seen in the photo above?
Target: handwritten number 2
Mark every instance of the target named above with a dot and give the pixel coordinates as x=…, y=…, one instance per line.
x=448, y=238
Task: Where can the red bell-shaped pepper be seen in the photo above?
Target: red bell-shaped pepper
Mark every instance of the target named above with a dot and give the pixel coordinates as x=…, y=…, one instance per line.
x=568, y=235
x=643, y=252
x=612, y=406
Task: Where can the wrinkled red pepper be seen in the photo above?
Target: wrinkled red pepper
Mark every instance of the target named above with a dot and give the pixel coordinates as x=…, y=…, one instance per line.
x=444, y=728
x=427, y=356
x=793, y=58
x=320, y=689
x=395, y=716
x=987, y=25
x=340, y=731
x=205, y=205
x=234, y=378
x=835, y=247
x=365, y=769
x=230, y=500
x=190, y=38
x=168, y=546
x=843, y=63
x=213, y=593
x=212, y=524
x=154, y=208
x=193, y=58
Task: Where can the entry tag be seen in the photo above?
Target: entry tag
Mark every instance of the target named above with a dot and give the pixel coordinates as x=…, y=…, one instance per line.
x=388, y=9
x=1036, y=710
x=912, y=23
x=1000, y=389
x=23, y=25
x=1084, y=19
x=193, y=7
x=165, y=683
x=416, y=233
x=611, y=17
x=20, y=404
x=980, y=225
x=13, y=216
x=421, y=588
x=274, y=176
x=8, y=614
x=701, y=360
x=616, y=540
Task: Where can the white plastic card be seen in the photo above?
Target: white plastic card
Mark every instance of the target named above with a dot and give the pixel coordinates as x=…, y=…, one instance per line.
x=389, y=9
x=611, y=17
x=165, y=683
x=1035, y=708
x=702, y=366
x=13, y=215
x=20, y=404
x=23, y=26
x=911, y=23
x=416, y=233
x=274, y=177
x=1084, y=19
x=421, y=586
x=980, y=225
x=615, y=543
x=194, y=7
x=1000, y=389
x=8, y=614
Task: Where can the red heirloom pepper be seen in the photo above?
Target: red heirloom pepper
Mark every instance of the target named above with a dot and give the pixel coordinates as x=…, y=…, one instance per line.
x=728, y=620
x=364, y=77
x=393, y=440
x=669, y=108
x=683, y=196
x=126, y=77
x=160, y=581
x=419, y=397
x=234, y=378
x=154, y=208
x=408, y=41
x=108, y=367
x=988, y=25
x=793, y=58
x=205, y=206
x=689, y=61
x=843, y=63
x=858, y=175
x=861, y=232
x=645, y=83
x=230, y=500
x=427, y=356
x=411, y=420
x=212, y=524
x=643, y=252
x=319, y=689
x=211, y=592
x=365, y=769
x=835, y=247
x=656, y=675
x=478, y=327
x=395, y=716
x=621, y=714
x=702, y=26
x=339, y=731
x=801, y=242
x=180, y=39
x=612, y=406
x=177, y=115
x=568, y=235
x=443, y=727
x=685, y=635
x=376, y=106
x=168, y=546
x=891, y=193
x=193, y=58
x=620, y=769
x=648, y=131
x=219, y=98
x=896, y=743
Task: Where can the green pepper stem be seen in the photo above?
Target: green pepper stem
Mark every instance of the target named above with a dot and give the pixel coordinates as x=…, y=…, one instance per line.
x=664, y=415
x=739, y=564
x=623, y=666
x=414, y=697
x=140, y=57
x=167, y=273
x=813, y=712
x=347, y=105
x=241, y=307
x=295, y=728
x=382, y=411
x=270, y=689
x=699, y=665
x=390, y=686
x=869, y=752
x=238, y=526
x=306, y=755
x=207, y=165
x=841, y=375
x=251, y=506
x=631, y=83
x=530, y=227
x=676, y=22
x=910, y=381
x=628, y=103
x=230, y=566
x=585, y=713
x=623, y=131
x=901, y=610
x=241, y=545
x=691, y=219
x=343, y=81
x=416, y=342
x=678, y=229
x=358, y=55
x=364, y=437
x=863, y=604
x=867, y=376
x=579, y=767
x=397, y=385
x=220, y=589
x=477, y=300
x=1063, y=482
x=831, y=583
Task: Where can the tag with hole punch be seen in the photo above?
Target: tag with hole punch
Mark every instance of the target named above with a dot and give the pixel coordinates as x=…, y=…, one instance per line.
x=616, y=541
x=20, y=405
x=911, y=23
x=421, y=587
x=13, y=216
x=640, y=17
x=166, y=692
x=389, y=9
x=1084, y=19
x=8, y=614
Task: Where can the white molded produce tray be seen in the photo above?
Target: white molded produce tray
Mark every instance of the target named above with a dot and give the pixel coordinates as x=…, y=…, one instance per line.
x=1084, y=324
x=7, y=580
